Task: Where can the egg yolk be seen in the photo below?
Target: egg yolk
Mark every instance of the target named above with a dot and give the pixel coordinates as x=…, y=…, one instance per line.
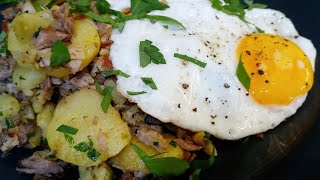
x=279, y=70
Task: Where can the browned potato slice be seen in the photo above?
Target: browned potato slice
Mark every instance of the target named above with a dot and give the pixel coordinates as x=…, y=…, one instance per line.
x=81, y=110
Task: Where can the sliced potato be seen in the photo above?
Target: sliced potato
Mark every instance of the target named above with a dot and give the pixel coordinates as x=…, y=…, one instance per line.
x=128, y=159
x=45, y=117
x=81, y=110
x=28, y=77
x=9, y=106
x=101, y=172
x=86, y=38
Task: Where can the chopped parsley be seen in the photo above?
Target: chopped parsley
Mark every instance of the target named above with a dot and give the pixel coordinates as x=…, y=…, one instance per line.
x=100, y=18
x=131, y=93
x=107, y=96
x=140, y=8
x=102, y=6
x=22, y=78
x=162, y=167
x=190, y=59
x=109, y=73
x=3, y=43
x=51, y=3
x=149, y=53
x=1, y=113
x=67, y=129
x=9, y=123
x=242, y=74
x=165, y=19
x=87, y=147
x=149, y=81
x=68, y=138
x=60, y=54
x=25, y=120
x=8, y=2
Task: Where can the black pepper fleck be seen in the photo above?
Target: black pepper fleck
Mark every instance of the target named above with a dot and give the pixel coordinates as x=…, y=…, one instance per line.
x=226, y=85
x=260, y=72
x=194, y=109
x=179, y=105
x=185, y=86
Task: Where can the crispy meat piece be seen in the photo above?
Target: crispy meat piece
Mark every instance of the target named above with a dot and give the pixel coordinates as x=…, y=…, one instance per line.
x=64, y=19
x=39, y=163
x=47, y=37
x=9, y=13
x=187, y=145
x=152, y=138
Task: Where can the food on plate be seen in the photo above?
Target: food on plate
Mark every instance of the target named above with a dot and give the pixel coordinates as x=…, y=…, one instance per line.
x=139, y=86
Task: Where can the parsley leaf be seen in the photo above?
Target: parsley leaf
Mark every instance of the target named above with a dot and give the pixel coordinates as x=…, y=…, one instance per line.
x=148, y=53
x=51, y=3
x=131, y=93
x=10, y=124
x=149, y=82
x=68, y=138
x=102, y=6
x=67, y=129
x=236, y=7
x=100, y=18
x=243, y=75
x=82, y=147
x=143, y=7
x=162, y=167
x=109, y=73
x=190, y=59
x=83, y=5
x=107, y=96
x=60, y=54
x=92, y=153
x=165, y=19
x=9, y=2
x=3, y=43
x=195, y=175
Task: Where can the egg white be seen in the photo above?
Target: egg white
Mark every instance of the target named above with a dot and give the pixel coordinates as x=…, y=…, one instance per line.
x=215, y=100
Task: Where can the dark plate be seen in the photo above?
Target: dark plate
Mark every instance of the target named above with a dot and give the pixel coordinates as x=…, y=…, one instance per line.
x=292, y=150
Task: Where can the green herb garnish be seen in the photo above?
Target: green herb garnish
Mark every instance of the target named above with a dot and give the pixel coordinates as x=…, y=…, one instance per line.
x=190, y=59
x=143, y=7
x=195, y=175
x=1, y=113
x=149, y=82
x=102, y=6
x=68, y=138
x=8, y=2
x=22, y=78
x=162, y=167
x=25, y=120
x=60, y=54
x=237, y=8
x=67, y=129
x=165, y=19
x=3, y=43
x=87, y=147
x=131, y=93
x=51, y=3
x=100, y=18
x=173, y=144
x=107, y=96
x=83, y=5
x=9, y=123
x=242, y=74
x=109, y=73
x=150, y=53
x=82, y=147
x=201, y=165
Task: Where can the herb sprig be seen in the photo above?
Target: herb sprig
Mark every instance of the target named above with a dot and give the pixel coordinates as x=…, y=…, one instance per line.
x=242, y=74
x=87, y=147
x=190, y=59
x=60, y=54
x=107, y=96
x=150, y=53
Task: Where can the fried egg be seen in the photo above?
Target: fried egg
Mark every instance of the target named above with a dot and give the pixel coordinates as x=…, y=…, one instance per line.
x=279, y=62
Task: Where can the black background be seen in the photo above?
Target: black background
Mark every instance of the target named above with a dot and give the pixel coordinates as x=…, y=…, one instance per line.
x=303, y=159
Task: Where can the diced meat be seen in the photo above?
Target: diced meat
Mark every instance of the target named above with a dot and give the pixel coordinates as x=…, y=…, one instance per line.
x=76, y=53
x=74, y=65
x=9, y=143
x=40, y=164
x=83, y=81
x=9, y=13
x=64, y=19
x=56, y=81
x=101, y=63
x=46, y=85
x=133, y=116
x=24, y=131
x=187, y=145
x=104, y=30
x=44, y=62
x=152, y=138
x=5, y=69
x=47, y=37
